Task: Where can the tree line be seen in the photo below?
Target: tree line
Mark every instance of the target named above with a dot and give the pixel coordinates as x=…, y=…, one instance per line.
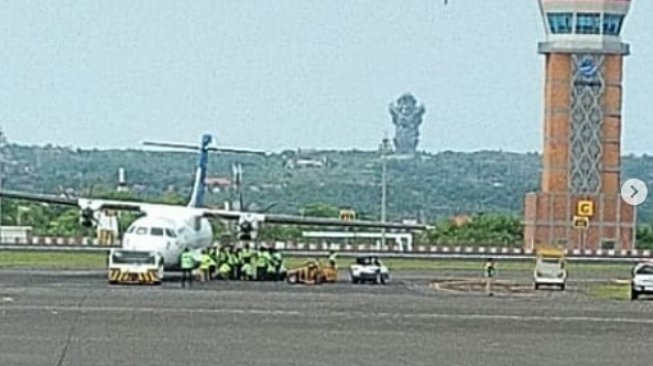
x=486, y=185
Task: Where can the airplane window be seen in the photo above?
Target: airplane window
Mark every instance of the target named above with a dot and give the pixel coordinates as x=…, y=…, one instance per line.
x=170, y=233
x=141, y=231
x=157, y=231
x=131, y=229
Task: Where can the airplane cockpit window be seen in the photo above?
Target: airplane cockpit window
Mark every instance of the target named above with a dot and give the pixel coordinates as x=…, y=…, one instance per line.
x=141, y=231
x=156, y=231
x=131, y=229
x=170, y=233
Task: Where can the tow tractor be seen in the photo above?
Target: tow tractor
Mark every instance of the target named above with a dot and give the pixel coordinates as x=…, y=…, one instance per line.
x=135, y=267
x=312, y=273
x=550, y=267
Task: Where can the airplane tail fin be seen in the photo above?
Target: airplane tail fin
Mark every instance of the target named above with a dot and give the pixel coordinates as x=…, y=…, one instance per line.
x=197, y=196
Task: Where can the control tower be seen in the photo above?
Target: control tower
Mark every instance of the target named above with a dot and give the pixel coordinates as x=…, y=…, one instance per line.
x=579, y=205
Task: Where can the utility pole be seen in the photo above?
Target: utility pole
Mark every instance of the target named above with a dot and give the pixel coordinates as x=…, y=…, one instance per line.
x=385, y=148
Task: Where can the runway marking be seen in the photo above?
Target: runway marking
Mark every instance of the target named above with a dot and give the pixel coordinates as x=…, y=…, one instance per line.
x=347, y=314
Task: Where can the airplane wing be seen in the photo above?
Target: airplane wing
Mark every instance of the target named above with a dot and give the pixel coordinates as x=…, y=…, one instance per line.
x=308, y=221
x=241, y=216
x=83, y=203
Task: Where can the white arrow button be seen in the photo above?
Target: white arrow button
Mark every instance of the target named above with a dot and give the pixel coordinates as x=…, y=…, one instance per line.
x=634, y=192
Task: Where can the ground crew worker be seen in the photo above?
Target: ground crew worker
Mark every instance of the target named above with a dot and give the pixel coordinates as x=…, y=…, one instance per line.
x=275, y=262
x=222, y=255
x=213, y=268
x=187, y=263
x=332, y=258
x=224, y=271
x=490, y=272
x=205, y=265
x=235, y=263
x=253, y=261
x=248, y=271
x=246, y=253
x=262, y=264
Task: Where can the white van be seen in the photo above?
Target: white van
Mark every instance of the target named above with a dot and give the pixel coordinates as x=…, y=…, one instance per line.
x=550, y=268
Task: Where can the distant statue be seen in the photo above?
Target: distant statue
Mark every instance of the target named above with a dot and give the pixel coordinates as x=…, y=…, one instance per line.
x=406, y=116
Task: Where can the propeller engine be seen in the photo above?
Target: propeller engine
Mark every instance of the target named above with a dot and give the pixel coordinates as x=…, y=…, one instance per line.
x=248, y=225
x=87, y=217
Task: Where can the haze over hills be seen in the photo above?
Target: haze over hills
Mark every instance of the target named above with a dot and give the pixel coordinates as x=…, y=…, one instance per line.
x=427, y=186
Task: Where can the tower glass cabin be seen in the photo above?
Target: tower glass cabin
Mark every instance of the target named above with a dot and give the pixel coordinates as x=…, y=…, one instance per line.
x=582, y=129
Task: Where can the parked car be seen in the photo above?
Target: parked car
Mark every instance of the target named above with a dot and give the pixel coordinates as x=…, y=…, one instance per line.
x=369, y=269
x=642, y=281
x=550, y=267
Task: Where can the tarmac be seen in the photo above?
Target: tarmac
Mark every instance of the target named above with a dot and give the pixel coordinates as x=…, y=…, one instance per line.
x=63, y=317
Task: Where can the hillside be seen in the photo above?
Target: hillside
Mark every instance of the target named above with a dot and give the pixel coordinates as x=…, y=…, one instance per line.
x=427, y=187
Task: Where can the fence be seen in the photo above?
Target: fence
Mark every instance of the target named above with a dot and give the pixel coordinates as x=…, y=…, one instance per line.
x=417, y=250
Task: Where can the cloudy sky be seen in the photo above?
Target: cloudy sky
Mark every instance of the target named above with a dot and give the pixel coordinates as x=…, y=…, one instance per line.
x=277, y=74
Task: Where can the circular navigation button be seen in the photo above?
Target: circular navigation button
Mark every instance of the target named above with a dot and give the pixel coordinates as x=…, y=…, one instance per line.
x=634, y=192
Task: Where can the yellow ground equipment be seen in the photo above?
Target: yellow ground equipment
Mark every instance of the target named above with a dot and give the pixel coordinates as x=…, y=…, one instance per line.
x=146, y=278
x=549, y=251
x=134, y=267
x=312, y=273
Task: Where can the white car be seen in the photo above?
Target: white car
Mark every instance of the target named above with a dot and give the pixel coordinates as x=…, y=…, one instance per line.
x=550, y=271
x=369, y=269
x=642, y=281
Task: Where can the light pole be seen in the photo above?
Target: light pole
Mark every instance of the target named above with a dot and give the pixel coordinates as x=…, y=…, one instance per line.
x=384, y=149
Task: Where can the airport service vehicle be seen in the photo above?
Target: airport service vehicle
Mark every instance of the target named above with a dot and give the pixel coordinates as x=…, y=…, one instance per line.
x=168, y=229
x=312, y=273
x=135, y=267
x=550, y=267
x=642, y=281
x=369, y=269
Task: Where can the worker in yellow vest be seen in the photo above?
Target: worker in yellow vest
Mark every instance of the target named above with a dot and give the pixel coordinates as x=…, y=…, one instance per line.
x=187, y=263
x=205, y=265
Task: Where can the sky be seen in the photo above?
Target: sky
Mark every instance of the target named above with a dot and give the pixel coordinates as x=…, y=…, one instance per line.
x=288, y=74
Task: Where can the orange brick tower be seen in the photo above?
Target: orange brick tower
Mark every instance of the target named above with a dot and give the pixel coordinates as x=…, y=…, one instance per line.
x=579, y=205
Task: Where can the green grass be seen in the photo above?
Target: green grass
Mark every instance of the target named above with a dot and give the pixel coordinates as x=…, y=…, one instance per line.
x=74, y=260
x=609, y=291
x=24, y=259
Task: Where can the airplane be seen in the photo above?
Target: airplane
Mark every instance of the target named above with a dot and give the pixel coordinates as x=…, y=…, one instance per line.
x=169, y=229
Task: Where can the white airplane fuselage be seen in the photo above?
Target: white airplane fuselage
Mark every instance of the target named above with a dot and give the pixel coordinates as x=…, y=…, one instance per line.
x=167, y=232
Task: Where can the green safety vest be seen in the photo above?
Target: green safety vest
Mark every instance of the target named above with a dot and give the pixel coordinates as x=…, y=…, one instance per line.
x=187, y=260
x=225, y=268
x=206, y=261
x=246, y=253
x=222, y=256
x=276, y=257
x=249, y=270
x=263, y=259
